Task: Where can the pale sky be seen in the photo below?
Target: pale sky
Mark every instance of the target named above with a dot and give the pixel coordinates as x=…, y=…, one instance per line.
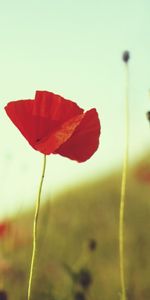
x=72, y=48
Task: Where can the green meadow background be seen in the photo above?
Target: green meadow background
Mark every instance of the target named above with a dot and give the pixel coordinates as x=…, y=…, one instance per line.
x=80, y=215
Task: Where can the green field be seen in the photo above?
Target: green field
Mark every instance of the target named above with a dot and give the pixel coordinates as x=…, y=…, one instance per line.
x=67, y=227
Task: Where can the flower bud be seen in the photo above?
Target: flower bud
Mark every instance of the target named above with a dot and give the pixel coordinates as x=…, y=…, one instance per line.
x=84, y=278
x=3, y=295
x=126, y=56
x=92, y=244
x=148, y=115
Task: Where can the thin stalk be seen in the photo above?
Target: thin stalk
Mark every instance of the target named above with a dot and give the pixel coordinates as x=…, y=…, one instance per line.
x=123, y=188
x=35, y=223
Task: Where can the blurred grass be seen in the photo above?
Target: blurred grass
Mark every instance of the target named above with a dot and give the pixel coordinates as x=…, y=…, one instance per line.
x=88, y=211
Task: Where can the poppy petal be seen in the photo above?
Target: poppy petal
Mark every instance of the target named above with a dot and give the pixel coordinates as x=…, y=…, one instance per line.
x=55, y=107
x=84, y=140
x=53, y=113
x=49, y=144
x=20, y=113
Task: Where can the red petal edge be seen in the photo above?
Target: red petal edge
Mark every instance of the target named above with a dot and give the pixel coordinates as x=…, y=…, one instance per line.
x=85, y=139
x=53, y=141
x=20, y=113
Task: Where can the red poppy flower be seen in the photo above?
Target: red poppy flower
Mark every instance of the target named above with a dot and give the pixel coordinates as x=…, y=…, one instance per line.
x=4, y=227
x=143, y=173
x=52, y=124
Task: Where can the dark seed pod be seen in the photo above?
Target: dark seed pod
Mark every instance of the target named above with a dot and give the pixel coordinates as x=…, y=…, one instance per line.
x=84, y=278
x=126, y=56
x=92, y=244
x=148, y=116
x=3, y=295
x=79, y=296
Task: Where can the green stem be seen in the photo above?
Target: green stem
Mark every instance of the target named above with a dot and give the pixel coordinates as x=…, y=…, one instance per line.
x=35, y=222
x=123, y=191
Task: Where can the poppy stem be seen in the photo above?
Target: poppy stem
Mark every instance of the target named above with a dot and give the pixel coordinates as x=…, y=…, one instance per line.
x=123, y=188
x=35, y=223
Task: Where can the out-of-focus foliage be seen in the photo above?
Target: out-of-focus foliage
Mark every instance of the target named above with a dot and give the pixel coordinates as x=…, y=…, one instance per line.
x=79, y=231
